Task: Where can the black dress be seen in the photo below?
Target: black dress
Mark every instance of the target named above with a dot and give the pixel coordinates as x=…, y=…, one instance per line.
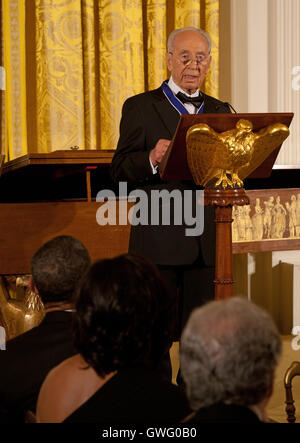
x=133, y=395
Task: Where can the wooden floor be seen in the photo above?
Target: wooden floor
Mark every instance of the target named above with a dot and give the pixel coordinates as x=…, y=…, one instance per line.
x=276, y=407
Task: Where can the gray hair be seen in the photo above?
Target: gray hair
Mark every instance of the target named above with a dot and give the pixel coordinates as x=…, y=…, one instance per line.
x=229, y=351
x=188, y=28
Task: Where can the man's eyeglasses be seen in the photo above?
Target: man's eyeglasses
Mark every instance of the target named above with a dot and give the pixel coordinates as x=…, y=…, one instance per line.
x=185, y=59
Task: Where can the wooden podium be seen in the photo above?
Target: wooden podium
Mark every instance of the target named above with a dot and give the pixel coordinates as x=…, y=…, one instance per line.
x=175, y=167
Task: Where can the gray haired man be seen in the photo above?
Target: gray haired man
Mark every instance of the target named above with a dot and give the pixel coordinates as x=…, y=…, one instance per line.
x=229, y=353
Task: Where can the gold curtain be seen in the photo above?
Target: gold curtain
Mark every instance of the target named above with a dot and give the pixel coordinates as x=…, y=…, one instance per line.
x=70, y=64
x=14, y=128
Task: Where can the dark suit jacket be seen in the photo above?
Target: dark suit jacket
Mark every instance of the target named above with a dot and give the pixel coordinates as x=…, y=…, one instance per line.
x=27, y=360
x=224, y=413
x=146, y=118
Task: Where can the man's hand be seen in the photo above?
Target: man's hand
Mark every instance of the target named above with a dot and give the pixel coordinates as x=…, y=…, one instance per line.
x=158, y=151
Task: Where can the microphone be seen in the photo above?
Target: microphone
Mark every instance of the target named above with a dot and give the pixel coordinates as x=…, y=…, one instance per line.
x=226, y=104
x=230, y=106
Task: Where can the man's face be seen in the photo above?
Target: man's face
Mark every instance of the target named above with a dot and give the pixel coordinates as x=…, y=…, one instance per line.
x=188, y=45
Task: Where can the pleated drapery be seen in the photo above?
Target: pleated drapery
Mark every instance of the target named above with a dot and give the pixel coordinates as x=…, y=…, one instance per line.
x=70, y=64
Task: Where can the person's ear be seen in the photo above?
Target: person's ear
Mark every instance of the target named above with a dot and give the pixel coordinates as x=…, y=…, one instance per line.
x=169, y=60
x=271, y=387
x=208, y=64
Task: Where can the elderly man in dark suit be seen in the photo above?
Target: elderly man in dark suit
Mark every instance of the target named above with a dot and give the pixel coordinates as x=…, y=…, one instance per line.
x=148, y=123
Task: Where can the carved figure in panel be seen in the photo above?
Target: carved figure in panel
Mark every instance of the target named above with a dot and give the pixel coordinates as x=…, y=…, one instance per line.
x=257, y=221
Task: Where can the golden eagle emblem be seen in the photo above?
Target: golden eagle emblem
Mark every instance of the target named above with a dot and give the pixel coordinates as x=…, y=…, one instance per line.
x=227, y=158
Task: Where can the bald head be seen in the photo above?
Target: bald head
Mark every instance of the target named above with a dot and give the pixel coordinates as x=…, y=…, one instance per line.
x=188, y=58
x=187, y=28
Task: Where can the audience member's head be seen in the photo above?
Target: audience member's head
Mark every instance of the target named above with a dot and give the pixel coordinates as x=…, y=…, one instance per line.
x=123, y=315
x=58, y=267
x=229, y=352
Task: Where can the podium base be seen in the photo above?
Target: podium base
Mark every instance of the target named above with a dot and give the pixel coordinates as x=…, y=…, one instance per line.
x=223, y=200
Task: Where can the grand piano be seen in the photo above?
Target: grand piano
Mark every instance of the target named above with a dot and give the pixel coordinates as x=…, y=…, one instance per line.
x=44, y=195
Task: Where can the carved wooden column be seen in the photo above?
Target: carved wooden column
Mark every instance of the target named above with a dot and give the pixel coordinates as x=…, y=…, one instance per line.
x=223, y=200
x=291, y=372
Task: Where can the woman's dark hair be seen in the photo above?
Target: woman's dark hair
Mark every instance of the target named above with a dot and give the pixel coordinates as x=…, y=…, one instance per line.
x=124, y=315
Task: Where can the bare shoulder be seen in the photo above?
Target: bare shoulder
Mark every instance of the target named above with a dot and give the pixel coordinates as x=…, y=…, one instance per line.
x=58, y=392
x=65, y=373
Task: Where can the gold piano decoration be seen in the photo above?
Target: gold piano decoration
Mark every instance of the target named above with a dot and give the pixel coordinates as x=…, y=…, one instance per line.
x=18, y=316
x=223, y=160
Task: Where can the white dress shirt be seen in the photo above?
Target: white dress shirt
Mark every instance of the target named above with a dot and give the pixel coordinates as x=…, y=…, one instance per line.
x=188, y=106
x=175, y=89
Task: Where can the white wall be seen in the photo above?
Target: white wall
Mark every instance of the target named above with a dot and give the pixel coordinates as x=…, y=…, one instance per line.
x=265, y=66
x=266, y=63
